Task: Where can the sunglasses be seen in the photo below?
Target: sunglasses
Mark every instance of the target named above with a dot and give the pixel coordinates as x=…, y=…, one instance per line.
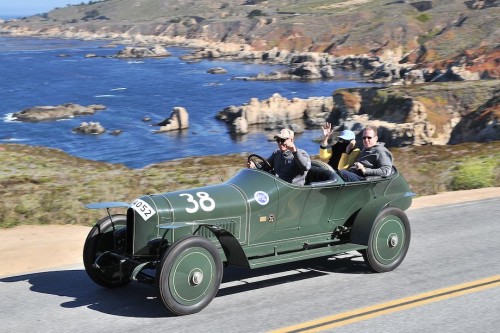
x=282, y=141
x=367, y=137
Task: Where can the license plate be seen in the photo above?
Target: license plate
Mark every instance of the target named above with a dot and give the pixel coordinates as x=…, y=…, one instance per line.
x=143, y=208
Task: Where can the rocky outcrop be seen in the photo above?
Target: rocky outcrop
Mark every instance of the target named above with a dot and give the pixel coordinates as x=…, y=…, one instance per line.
x=429, y=34
x=481, y=126
x=438, y=113
x=302, y=71
x=94, y=128
x=155, y=51
x=397, y=42
x=178, y=120
x=481, y=4
x=217, y=70
x=300, y=65
x=429, y=114
x=48, y=113
x=276, y=111
x=422, y=6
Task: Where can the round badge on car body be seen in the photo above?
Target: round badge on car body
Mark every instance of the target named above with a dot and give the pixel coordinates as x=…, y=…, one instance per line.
x=261, y=197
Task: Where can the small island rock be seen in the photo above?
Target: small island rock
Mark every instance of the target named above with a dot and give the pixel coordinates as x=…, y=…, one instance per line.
x=178, y=120
x=64, y=111
x=89, y=128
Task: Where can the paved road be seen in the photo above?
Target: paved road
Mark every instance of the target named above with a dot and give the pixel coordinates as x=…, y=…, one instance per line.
x=451, y=245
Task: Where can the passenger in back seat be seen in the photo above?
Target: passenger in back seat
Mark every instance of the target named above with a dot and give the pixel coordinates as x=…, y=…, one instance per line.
x=374, y=160
x=343, y=153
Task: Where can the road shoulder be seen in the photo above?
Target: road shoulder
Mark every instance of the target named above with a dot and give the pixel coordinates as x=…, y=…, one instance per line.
x=31, y=248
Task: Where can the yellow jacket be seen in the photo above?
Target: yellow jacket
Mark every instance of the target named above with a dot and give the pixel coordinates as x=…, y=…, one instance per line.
x=346, y=160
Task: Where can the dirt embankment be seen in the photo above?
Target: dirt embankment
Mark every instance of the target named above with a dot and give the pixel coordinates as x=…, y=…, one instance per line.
x=31, y=248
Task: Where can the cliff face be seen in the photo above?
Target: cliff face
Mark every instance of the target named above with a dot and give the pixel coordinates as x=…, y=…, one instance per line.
x=430, y=114
x=399, y=41
x=430, y=33
x=437, y=113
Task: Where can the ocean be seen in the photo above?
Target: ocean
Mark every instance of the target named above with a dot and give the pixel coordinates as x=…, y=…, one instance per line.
x=37, y=72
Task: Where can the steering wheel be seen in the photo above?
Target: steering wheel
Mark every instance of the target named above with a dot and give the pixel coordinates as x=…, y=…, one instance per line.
x=260, y=163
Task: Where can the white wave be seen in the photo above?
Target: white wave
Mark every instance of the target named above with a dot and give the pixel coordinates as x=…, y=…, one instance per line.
x=12, y=140
x=116, y=89
x=9, y=118
x=99, y=96
x=211, y=84
x=135, y=62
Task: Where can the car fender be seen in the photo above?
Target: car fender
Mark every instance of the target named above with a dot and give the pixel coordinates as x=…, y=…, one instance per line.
x=366, y=216
x=233, y=251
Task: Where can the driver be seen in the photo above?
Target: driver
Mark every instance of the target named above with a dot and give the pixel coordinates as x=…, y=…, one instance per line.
x=289, y=162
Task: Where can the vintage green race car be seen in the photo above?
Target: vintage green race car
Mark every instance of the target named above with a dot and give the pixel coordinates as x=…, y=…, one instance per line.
x=182, y=240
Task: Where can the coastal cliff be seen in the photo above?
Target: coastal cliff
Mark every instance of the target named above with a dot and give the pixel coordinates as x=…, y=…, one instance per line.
x=428, y=114
x=439, y=59
x=428, y=34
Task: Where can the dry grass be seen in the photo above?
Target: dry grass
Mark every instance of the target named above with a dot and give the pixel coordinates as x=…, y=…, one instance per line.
x=40, y=185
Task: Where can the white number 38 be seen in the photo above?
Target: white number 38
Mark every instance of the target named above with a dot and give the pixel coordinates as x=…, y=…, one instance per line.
x=204, y=202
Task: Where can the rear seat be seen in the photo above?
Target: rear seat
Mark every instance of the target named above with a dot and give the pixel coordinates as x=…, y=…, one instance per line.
x=320, y=174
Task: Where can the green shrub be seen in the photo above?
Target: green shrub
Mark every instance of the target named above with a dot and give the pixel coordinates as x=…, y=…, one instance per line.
x=425, y=17
x=256, y=12
x=474, y=174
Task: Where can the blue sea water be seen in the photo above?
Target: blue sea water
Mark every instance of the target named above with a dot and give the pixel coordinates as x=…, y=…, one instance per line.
x=33, y=73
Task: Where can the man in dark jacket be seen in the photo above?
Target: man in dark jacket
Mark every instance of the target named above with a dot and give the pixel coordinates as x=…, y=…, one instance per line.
x=374, y=160
x=289, y=162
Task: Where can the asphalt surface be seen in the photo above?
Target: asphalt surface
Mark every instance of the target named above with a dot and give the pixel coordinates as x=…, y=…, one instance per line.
x=451, y=245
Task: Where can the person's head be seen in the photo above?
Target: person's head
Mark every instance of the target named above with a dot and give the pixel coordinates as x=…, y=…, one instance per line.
x=283, y=137
x=370, y=137
x=346, y=137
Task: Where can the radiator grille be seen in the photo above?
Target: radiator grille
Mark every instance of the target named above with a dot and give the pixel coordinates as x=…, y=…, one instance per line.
x=229, y=225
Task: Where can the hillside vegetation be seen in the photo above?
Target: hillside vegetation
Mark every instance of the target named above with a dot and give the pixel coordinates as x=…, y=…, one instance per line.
x=430, y=33
x=46, y=186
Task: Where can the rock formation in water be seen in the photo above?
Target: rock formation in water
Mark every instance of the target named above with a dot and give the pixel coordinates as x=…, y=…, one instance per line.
x=48, y=113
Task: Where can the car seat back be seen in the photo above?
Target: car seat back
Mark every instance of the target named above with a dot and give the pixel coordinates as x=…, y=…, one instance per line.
x=320, y=172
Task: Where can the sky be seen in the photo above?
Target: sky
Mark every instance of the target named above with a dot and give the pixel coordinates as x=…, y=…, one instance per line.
x=31, y=7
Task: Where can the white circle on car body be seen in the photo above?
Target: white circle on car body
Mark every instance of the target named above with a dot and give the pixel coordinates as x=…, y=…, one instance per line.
x=261, y=197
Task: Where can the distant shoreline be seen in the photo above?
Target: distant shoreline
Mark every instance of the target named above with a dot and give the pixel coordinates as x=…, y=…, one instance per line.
x=10, y=17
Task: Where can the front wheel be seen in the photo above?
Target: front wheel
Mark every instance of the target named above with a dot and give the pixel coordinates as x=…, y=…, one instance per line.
x=389, y=240
x=108, y=235
x=190, y=275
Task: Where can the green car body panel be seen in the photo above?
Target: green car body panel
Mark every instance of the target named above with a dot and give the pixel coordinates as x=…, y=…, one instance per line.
x=254, y=220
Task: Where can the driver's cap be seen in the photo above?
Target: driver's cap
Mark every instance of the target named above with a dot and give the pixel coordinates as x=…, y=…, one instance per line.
x=284, y=134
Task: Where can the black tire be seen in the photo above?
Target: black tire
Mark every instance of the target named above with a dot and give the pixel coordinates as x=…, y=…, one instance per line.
x=100, y=239
x=189, y=275
x=389, y=240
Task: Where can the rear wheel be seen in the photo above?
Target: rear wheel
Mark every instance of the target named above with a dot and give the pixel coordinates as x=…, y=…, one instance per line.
x=190, y=275
x=389, y=240
x=107, y=235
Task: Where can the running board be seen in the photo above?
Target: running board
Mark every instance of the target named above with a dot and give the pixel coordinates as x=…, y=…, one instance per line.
x=304, y=254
